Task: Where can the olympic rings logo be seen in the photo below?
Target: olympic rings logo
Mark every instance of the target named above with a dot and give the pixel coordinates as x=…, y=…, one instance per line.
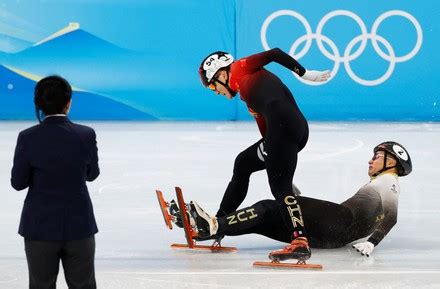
x=348, y=56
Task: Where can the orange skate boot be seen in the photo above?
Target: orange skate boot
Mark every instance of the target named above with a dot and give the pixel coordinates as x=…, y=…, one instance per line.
x=299, y=249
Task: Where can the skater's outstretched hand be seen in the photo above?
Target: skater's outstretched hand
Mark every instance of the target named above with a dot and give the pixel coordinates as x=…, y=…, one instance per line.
x=316, y=76
x=365, y=248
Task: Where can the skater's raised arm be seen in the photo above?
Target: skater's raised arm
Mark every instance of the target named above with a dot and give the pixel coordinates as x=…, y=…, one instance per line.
x=257, y=61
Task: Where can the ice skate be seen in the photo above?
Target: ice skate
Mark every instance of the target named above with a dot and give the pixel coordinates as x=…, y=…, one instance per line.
x=197, y=226
x=164, y=207
x=299, y=249
x=206, y=226
x=175, y=214
x=171, y=212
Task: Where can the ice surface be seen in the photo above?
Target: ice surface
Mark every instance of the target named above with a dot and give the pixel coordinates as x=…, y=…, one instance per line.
x=133, y=243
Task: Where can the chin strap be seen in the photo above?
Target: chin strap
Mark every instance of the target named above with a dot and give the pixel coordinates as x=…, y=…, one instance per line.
x=232, y=92
x=385, y=168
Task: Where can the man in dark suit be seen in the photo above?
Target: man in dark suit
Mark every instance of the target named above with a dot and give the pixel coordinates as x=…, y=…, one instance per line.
x=54, y=159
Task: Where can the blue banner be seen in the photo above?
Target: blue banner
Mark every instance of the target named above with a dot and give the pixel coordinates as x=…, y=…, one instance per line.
x=138, y=60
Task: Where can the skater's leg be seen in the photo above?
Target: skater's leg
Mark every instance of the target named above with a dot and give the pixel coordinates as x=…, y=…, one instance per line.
x=261, y=218
x=246, y=163
x=287, y=130
x=281, y=164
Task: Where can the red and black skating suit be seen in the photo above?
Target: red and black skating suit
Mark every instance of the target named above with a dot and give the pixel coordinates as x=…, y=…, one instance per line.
x=282, y=125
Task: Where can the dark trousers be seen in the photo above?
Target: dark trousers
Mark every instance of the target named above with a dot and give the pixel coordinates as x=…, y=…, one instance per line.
x=77, y=257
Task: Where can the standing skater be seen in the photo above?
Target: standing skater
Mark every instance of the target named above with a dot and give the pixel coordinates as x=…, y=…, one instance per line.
x=54, y=159
x=282, y=125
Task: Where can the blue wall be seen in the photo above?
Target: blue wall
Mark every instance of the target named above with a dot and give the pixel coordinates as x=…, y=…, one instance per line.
x=139, y=59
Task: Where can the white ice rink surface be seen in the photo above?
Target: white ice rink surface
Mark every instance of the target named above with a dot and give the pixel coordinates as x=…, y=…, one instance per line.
x=133, y=245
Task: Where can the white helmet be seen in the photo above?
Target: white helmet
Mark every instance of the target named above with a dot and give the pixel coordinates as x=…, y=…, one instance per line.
x=213, y=63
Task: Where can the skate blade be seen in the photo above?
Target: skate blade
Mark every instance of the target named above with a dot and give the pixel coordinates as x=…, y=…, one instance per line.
x=189, y=233
x=204, y=248
x=298, y=265
x=164, y=208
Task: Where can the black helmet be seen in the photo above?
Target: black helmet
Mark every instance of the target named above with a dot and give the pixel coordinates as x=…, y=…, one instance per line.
x=213, y=63
x=404, y=165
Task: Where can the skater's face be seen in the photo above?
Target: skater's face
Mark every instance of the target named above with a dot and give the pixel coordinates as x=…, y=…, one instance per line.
x=218, y=87
x=377, y=163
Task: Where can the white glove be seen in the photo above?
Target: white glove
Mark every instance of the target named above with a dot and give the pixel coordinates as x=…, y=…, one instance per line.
x=365, y=248
x=316, y=76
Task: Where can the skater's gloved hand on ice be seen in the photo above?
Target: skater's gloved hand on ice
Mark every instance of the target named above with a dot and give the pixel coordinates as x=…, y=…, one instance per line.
x=365, y=248
x=316, y=76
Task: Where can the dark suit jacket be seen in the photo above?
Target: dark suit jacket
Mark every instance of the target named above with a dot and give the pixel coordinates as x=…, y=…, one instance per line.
x=55, y=159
